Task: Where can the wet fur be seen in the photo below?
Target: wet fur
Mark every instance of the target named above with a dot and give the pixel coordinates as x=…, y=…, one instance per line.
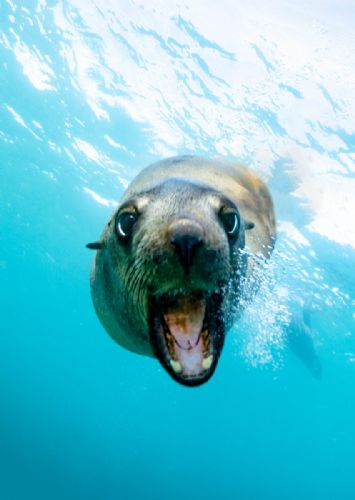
x=122, y=276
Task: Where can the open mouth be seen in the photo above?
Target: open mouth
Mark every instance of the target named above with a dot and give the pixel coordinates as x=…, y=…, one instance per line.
x=187, y=334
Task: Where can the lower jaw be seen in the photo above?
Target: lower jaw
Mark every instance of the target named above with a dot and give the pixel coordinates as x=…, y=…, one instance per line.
x=190, y=380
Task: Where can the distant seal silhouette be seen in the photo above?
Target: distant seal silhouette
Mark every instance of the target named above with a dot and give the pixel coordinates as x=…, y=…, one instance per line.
x=300, y=341
x=177, y=261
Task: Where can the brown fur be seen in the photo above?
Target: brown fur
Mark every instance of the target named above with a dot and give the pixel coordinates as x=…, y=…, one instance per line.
x=120, y=277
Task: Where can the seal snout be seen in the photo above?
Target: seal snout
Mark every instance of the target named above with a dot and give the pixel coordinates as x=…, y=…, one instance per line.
x=186, y=236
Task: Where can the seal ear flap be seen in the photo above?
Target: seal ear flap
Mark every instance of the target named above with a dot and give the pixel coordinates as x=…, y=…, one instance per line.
x=248, y=225
x=96, y=245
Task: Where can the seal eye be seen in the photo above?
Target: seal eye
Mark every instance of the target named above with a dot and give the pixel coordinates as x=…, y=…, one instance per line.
x=230, y=221
x=124, y=224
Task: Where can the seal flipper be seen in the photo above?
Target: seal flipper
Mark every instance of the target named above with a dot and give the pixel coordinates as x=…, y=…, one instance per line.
x=299, y=339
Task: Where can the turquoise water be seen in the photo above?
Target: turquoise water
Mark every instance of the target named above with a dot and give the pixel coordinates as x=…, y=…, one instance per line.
x=93, y=91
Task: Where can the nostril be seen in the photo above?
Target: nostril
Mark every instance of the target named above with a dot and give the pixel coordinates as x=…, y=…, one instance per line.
x=186, y=237
x=186, y=246
x=186, y=243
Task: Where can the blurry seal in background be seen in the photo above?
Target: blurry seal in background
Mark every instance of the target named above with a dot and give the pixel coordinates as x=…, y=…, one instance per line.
x=178, y=260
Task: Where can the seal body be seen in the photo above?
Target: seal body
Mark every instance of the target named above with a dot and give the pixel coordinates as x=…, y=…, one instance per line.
x=178, y=260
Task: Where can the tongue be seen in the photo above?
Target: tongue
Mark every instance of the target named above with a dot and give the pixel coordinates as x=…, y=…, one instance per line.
x=185, y=320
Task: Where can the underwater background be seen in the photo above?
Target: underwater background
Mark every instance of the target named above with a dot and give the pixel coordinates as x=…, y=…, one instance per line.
x=91, y=92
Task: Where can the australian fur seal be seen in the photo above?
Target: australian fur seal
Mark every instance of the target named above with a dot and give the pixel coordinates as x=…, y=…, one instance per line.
x=177, y=260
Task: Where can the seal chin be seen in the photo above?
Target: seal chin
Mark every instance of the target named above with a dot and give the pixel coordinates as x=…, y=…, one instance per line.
x=187, y=333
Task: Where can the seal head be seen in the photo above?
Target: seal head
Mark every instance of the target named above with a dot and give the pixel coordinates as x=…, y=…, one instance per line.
x=169, y=272
x=175, y=251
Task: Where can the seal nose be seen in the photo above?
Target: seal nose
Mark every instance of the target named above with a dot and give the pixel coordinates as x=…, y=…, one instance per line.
x=186, y=235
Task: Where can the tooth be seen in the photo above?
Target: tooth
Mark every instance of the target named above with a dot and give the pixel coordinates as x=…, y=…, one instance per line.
x=207, y=362
x=175, y=365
